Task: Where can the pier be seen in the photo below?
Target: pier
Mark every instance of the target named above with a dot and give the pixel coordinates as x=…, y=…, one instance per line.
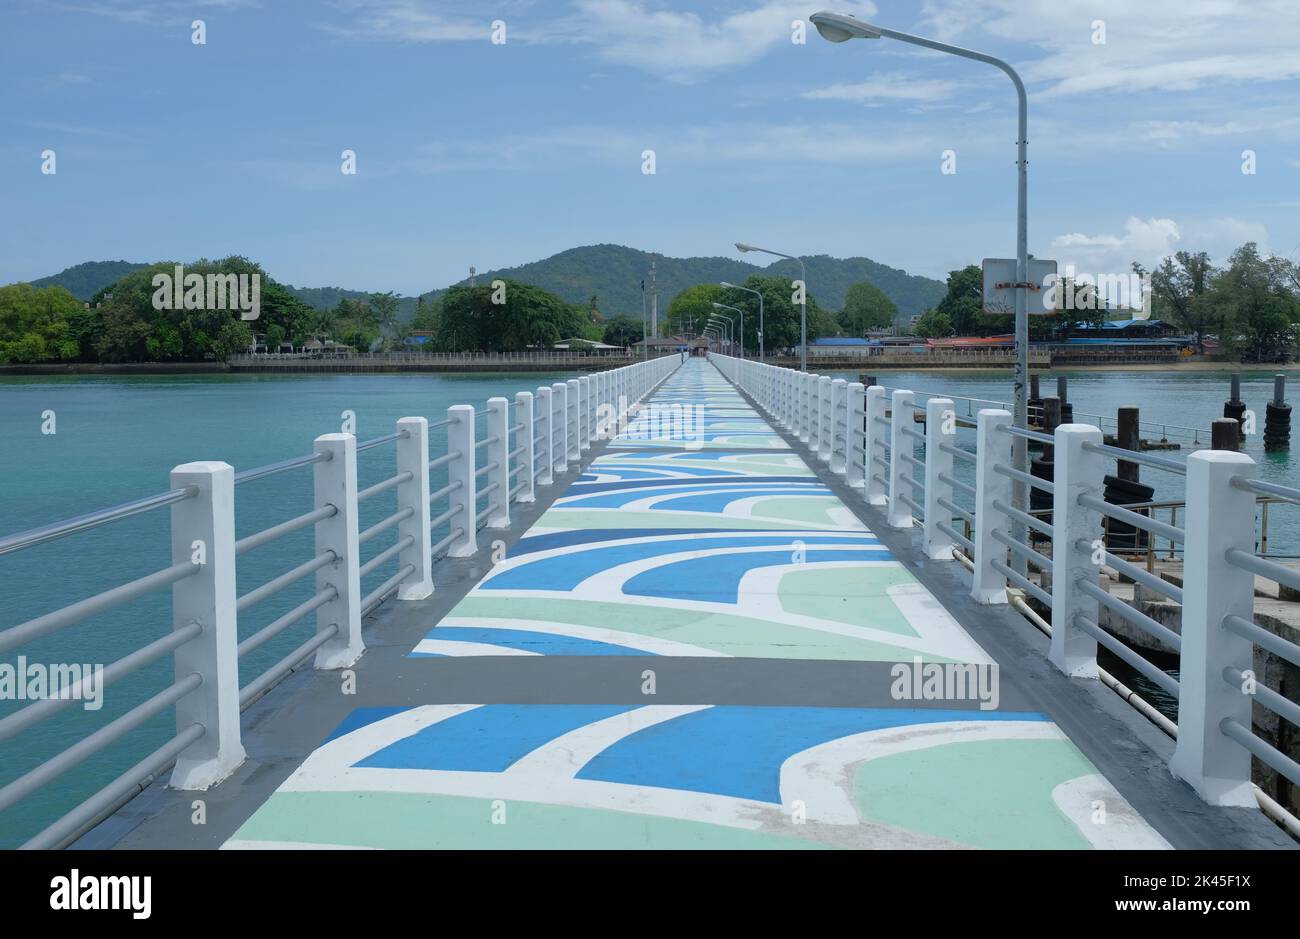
x=696, y=603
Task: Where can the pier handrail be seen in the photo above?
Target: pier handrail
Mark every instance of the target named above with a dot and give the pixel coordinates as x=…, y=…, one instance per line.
x=558, y=423
x=1054, y=573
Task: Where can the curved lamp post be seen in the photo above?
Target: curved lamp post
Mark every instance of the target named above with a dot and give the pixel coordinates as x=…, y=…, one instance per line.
x=803, y=306
x=723, y=306
x=838, y=27
x=721, y=321
x=760, y=314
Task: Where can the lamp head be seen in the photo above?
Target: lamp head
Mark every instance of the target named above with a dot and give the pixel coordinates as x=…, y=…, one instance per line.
x=839, y=27
x=742, y=247
x=725, y=284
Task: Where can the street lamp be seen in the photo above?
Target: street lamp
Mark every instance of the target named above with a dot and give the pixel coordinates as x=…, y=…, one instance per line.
x=645, y=336
x=723, y=306
x=760, y=312
x=838, y=27
x=730, y=326
x=803, y=304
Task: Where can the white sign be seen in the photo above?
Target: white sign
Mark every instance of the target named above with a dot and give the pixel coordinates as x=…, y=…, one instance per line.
x=1000, y=281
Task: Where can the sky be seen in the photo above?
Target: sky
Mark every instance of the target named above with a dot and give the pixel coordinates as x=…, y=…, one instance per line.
x=469, y=151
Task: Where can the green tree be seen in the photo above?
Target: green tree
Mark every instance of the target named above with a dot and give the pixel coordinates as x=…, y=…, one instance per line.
x=866, y=307
x=39, y=324
x=690, y=310
x=1179, y=288
x=933, y=324
x=963, y=304
x=622, y=330
x=384, y=308
x=1256, y=305
x=526, y=316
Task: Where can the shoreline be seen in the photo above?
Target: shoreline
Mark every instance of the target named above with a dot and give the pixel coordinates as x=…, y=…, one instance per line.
x=225, y=368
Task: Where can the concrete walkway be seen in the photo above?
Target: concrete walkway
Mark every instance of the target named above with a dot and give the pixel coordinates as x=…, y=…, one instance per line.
x=716, y=543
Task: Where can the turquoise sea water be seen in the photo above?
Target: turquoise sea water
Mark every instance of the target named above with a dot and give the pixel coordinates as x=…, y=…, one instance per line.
x=117, y=439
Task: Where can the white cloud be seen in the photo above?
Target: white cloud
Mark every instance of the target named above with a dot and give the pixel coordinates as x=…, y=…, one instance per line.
x=1147, y=241
x=1162, y=45
x=887, y=86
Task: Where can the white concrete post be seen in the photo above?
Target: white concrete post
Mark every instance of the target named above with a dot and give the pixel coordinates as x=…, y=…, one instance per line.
x=336, y=485
x=413, y=494
x=825, y=418
x=1076, y=548
x=498, y=456
x=900, y=513
x=460, y=439
x=989, y=586
x=203, y=526
x=528, y=455
x=560, y=425
x=854, y=439
x=1219, y=518
x=544, y=410
x=876, y=434
x=574, y=432
x=806, y=382
x=838, y=430
x=584, y=412
x=940, y=428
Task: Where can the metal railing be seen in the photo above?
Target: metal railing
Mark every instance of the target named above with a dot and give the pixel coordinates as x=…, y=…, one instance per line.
x=207, y=611
x=1055, y=573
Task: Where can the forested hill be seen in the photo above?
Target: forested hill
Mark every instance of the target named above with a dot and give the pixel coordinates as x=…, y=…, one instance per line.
x=613, y=273
x=85, y=280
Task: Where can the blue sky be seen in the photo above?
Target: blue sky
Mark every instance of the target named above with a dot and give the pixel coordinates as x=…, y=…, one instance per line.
x=470, y=152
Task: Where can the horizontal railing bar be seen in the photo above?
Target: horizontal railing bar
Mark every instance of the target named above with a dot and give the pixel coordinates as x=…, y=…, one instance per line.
x=376, y=596
x=451, y=536
x=487, y=441
x=380, y=527
x=1168, y=532
x=268, y=535
x=957, y=484
x=918, y=510
x=88, y=746
x=38, y=711
x=959, y=452
x=70, y=526
x=1041, y=561
x=1260, y=487
x=907, y=457
x=87, y=814
x=1023, y=582
x=487, y=468
x=517, y=488
x=1283, y=707
x=955, y=509
x=1264, y=751
x=390, y=483
x=487, y=490
x=387, y=554
x=445, y=459
x=438, y=520
x=1262, y=637
x=1264, y=568
x=1026, y=433
x=1164, y=680
x=913, y=433
x=1139, y=574
x=281, y=623
x=380, y=441
x=446, y=490
x=276, y=584
x=1130, y=613
x=446, y=422
x=261, y=472
x=1134, y=456
x=92, y=606
x=487, y=510
x=517, y=428
x=286, y=664
x=515, y=452
x=1046, y=485
x=1037, y=524
x=955, y=536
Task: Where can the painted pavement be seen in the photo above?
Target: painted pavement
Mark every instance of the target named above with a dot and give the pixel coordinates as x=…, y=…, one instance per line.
x=699, y=533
